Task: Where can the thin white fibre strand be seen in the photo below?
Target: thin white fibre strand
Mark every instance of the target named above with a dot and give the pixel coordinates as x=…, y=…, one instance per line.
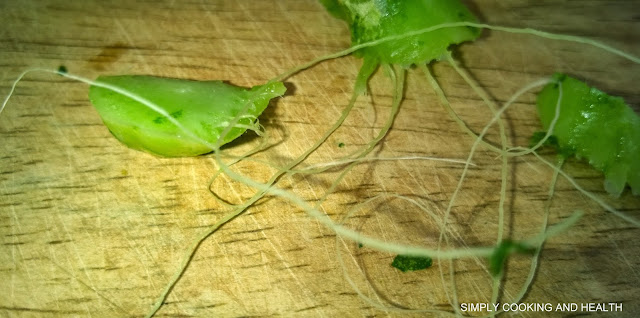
x=346, y=161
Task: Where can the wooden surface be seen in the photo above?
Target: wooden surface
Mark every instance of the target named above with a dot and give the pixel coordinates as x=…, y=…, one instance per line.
x=90, y=228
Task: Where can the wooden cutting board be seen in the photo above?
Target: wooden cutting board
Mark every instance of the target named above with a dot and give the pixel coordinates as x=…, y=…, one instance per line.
x=92, y=228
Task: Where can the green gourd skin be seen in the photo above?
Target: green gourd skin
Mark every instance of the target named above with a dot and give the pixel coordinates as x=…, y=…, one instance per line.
x=203, y=107
x=597, y=127
x=374, y=19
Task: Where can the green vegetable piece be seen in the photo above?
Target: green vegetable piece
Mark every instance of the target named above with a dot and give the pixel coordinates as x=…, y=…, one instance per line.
x=411, y=263
x=375, y=19
x=552, y=142
x=597, y=127
x=205, y=108
x=501, y=252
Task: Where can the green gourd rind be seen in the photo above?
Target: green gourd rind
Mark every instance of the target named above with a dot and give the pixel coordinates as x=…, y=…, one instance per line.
x=594, y=126
x=205, y=108
x=375, y=19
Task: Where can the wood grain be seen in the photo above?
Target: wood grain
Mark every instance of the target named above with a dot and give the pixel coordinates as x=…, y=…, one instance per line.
x=90, y=228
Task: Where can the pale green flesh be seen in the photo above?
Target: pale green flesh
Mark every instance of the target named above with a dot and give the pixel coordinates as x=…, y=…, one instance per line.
x=597, y=127
x=375, y=19
x=203, y=107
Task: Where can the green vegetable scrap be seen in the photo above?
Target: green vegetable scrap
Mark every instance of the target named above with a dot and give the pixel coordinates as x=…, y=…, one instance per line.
x=537, y=136
x=205, y=108
x=597, y=127
x=375, y=19
x=407, y=263
x=501, y=252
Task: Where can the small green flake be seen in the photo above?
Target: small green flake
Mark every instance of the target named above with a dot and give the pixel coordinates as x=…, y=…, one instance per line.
x=62, y=69
x=407, y=263
x=502, y=251
x=341, y=145
x=360, y=245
